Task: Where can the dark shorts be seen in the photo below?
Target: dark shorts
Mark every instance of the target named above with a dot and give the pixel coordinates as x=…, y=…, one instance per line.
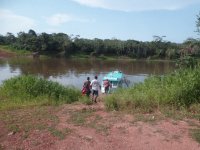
x=88, y=92
x=106, y=89
x=94, y=92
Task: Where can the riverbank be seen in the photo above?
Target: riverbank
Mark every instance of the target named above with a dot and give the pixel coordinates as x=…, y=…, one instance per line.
x=9, y=51
x=70, y=125
x=39, y=118
x=5, y=54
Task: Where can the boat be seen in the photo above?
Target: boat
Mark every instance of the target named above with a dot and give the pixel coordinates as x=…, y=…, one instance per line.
x=116, y=79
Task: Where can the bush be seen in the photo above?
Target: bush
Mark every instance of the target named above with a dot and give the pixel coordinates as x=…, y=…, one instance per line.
x=186, y=62
x=30, y=88
x=178, y=89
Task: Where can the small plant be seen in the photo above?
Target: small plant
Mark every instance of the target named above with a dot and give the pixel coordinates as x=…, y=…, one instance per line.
x=195, y=133
x=57, y=133
x=14, y=128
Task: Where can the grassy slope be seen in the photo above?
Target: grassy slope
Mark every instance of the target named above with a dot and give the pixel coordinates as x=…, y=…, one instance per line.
x=178, y=90
x=9, y=49
x=27, y=92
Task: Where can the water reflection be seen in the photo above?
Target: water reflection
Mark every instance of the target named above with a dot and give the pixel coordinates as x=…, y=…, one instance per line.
x=74, y=72
x=7, y=72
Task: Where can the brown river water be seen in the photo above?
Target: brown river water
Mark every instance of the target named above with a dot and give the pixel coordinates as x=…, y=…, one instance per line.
x=75, y=71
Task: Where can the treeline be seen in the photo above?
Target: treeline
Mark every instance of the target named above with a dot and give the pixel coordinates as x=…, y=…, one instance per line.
x=61, y=43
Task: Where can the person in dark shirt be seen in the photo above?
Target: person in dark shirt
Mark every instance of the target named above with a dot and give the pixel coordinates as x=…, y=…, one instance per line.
x=106, y=85
x=86, y=87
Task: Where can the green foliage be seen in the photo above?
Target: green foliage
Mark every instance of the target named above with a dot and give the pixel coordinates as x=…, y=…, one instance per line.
x=79, y=118
x=86, y=100
x=63, y=45
x=172, y=53
x=57, y=133
x=186, y=62
x=177, y=90
x=60, y=44
x=195, y=108
x=195, y=133
x=10, y=48
x=34, y=90
x=198, y=23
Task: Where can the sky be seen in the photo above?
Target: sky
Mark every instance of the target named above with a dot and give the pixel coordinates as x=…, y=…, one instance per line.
x=140, y=20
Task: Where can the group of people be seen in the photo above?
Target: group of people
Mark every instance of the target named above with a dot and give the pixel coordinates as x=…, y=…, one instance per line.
x=92, y=87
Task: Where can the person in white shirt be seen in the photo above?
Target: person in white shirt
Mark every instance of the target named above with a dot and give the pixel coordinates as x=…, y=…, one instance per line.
x=95, y=86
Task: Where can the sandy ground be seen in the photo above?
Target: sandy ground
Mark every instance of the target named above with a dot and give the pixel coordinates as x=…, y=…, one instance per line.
x=91, y=127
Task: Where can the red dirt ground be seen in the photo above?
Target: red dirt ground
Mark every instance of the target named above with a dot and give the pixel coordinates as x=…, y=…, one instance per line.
x=4, y=54
x=104, y=130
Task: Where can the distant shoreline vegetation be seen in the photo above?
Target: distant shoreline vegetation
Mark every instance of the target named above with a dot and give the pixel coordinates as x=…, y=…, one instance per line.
x=63, y=45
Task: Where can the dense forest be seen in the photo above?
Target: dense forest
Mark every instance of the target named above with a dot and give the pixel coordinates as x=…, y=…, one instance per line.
x=61, y=43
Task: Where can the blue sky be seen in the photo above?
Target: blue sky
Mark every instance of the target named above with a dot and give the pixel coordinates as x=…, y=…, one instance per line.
x=104, y=19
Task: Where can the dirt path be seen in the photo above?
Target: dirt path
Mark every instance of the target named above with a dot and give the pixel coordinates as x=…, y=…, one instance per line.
x=119, y=131
x=91, y=127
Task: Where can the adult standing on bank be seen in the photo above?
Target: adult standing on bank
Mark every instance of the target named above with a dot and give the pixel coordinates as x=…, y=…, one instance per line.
x=106, y=85
x=86, y=87
x=95, y=87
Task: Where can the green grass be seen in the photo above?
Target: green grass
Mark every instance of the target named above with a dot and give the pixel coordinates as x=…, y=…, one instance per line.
x=19, y=52
x=26, y=120
x=79, y=118
x=87, y=118
x=178, y=90
x=38, y=118
x=100, y=57
x=86, y=100
x=9, y=48
x=23, y=91
x=195, y=133
x=57, y=133
x=147, y=118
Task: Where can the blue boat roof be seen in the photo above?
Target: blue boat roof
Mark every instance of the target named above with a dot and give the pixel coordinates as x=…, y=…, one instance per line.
x=114, y=76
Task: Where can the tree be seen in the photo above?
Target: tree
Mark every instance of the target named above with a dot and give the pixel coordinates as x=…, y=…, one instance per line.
x=158, y=38
x=32, y=33
x=60, y=44
x=198, y=23
x=2, y=39
x=10, y=38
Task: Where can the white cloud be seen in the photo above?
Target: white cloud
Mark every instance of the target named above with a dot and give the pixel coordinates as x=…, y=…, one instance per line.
x=14, y=23
x=138, y=5
x=61, y=18
x=58, y=19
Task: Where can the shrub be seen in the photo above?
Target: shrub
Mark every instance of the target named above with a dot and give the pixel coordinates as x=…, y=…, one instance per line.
x=30, y=88
x=178, y=89
x=186, y=62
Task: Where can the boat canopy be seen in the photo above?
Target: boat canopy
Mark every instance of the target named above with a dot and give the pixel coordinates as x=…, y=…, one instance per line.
x=114, y=76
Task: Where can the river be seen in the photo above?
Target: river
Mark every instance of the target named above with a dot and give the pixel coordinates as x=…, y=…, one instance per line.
x=75, y=71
